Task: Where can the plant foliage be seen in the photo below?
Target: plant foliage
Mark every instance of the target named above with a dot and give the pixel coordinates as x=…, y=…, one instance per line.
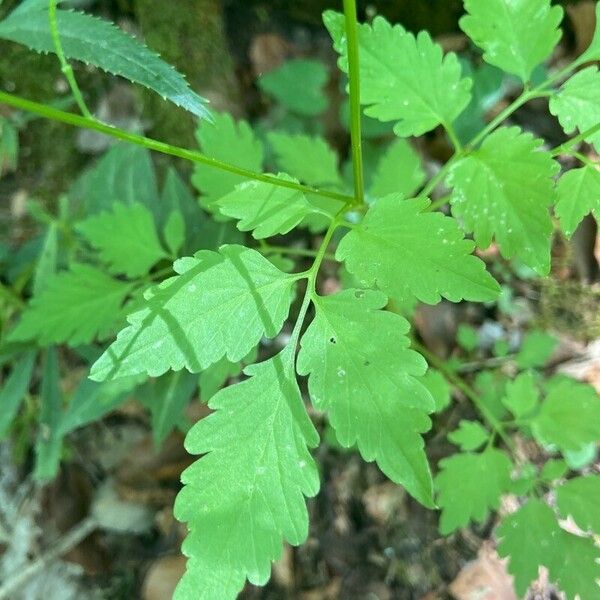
x=188, y=301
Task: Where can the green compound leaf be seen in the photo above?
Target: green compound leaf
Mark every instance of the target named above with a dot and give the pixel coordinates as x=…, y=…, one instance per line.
x=406, y=252
x=9, y=146
x=579, y=498
x=308, y=158
x=515, y=35
x=467, y=337
x=398, y=171
x=364, y=375
x=213, y=378
x=264, y=208
x=577, y=567
x=503, y=190
x=100, y=43
x=75, y=307
x=246, y=495
x=49, y=440
x=470, y=485
x=470, y=435
x=123, y=174
x=220, y=304
x=230, y=141
x=554, y=469
x=439, y=389
x=536, y=349
x=298, y=85
x=578, y=194
x=167, y=398
x=569, y=417
x=174, y=232
x=125, y=238
x=577, y=103
x=531, y=537
x=402, y=77
x=522, y=395
x=14, y=389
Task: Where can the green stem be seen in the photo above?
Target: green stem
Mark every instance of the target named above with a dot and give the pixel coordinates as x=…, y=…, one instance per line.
x=64, y=64
x=441, y=175
x=460, y=384
x=528, y=94
x=453, y=137
x=268, y=249
x=139, y=140
x=311, y=283
x=354, y=78
x=439, y=203
x=584, y=159
x=566, y=147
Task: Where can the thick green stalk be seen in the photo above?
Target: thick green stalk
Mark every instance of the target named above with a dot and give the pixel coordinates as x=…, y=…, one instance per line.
x=64, y=64
x=139, y=140
x=355, y=115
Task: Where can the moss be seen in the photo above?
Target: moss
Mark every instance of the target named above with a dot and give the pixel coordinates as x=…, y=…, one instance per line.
x=190, y=35
x=570, y=307
x=48, y=157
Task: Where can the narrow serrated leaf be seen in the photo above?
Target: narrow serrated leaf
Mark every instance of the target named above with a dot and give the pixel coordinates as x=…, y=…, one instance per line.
x=100, y=43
